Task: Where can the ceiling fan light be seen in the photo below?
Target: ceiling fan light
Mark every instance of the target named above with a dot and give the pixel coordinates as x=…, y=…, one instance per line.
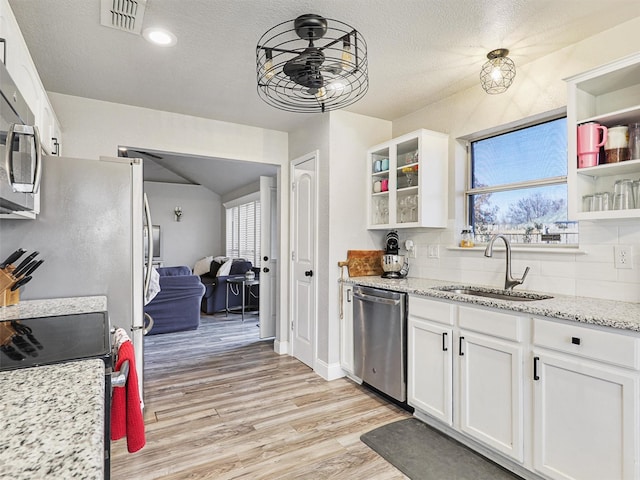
x=498, y=72
x=268, y=64
x=311, y=64
x=347, y=58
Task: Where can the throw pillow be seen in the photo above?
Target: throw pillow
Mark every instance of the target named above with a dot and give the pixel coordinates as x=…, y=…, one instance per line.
x=202, y=266
x=225, y=268
x=215, y=266
x=240, y=267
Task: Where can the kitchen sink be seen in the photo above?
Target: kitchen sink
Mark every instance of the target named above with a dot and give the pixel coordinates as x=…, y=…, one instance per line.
x=508, y=295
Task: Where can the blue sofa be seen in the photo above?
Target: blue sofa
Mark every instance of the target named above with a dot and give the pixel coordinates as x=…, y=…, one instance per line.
x=215, y=295
x=177, y=306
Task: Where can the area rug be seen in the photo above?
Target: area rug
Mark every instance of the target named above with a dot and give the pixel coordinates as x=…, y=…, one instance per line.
x=423, y=453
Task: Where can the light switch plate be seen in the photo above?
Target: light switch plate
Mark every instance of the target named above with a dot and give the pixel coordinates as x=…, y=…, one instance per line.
x=433, y=251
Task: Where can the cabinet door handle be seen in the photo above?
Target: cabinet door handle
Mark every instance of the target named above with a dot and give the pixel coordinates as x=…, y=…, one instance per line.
x=460, y=352
x=575, y=340
x=444, y=342
x=349, y=292
x=535, y=368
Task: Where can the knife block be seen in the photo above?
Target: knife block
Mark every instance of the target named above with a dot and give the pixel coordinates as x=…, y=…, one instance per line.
x=7, y=297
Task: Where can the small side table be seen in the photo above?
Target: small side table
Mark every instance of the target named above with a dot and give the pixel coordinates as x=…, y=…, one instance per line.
x=243, y=284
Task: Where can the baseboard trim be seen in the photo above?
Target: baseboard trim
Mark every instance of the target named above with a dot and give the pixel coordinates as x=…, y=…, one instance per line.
x=328, y=372
x=281, y=348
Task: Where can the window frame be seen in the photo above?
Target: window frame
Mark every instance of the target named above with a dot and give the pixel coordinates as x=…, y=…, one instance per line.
x=468, y=191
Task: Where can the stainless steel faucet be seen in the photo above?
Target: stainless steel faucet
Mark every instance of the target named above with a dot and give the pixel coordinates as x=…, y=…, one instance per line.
x=509, y=281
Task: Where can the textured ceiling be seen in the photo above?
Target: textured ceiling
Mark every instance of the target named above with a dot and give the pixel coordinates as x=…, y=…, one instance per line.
x=419, y=50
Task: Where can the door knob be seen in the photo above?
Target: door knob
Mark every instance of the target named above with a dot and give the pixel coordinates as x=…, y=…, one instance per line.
x=265, y=258
x=265, y=270
x=308, y=273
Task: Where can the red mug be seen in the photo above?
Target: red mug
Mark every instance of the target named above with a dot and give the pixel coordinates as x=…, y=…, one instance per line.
x=384, y=185
x=589, y=143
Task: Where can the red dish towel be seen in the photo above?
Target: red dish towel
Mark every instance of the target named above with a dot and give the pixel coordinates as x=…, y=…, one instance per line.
x=126, y=410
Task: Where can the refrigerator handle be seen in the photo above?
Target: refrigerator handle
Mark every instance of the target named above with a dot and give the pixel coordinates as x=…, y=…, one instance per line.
x=149, y=326
x=149, y=259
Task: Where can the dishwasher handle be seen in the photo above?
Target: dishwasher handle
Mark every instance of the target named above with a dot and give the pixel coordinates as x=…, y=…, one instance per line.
x=372, y=298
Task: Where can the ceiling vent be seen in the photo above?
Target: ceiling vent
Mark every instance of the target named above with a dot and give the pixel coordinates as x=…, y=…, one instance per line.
x=123, y=14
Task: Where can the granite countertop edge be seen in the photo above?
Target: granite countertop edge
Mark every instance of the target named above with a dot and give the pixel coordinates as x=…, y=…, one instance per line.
x=52, y=307
x=606, y=313
x=52, y=419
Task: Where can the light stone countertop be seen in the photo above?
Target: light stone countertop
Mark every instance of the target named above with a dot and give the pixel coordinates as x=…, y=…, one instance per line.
x=52, y=421
x=53, y=307
x=607, y=313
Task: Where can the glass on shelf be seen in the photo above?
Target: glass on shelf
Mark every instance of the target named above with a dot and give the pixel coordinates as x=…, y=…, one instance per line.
x=407, y=177
x=408, y=158
x=380, y=211
x=407, y=208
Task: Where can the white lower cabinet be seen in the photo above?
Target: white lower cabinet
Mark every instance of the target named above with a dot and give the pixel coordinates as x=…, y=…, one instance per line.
x=585, y=412
x=491, y=408
x=346, y=329
x=430, y=379
x=572, y=414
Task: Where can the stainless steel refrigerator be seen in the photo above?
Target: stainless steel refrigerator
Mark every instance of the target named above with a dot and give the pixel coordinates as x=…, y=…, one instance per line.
x=90, y=234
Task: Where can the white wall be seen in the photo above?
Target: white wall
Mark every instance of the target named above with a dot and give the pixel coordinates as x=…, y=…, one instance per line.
x=538, y=87
x=198, y=233
x=93, y=127
x=342, y=139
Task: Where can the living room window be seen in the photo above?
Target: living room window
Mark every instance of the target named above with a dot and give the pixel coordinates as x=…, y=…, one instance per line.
x=517, y=185
x=243, y=230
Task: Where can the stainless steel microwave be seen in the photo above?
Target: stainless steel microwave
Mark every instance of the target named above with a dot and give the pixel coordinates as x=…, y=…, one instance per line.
x=20, y=150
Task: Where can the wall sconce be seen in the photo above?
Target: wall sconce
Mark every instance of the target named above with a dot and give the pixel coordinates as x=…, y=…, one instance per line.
x=497, y=74
x=178, y=212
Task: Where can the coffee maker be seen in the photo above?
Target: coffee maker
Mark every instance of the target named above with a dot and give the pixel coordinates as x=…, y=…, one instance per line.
x=394, y=265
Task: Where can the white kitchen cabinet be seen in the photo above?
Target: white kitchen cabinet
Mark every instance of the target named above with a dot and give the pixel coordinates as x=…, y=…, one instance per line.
x=490, y=400
x=608, y=95
x=407, y=181
x=49, y=127
x=585, y=406
x=25, y=75
x=346, y=330
x=430, y=354
x=490, y=358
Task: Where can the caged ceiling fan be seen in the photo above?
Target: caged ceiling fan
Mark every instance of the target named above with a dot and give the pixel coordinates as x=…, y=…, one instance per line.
x=319, y=65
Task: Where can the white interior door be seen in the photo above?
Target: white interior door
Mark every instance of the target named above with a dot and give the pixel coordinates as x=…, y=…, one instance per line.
x=268, y=260
x=303, y=234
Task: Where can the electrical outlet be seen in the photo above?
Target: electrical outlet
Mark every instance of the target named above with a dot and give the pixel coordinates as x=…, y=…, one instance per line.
x=433, y=251
x=623, y=256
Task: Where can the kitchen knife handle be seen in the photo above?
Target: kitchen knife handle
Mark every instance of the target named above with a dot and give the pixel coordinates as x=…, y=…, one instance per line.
x=33, y=266
x=20, y=283
x=24, y=263
x=12, y=258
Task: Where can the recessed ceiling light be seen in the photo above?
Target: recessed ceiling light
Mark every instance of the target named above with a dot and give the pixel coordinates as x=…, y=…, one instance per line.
x=159, y=36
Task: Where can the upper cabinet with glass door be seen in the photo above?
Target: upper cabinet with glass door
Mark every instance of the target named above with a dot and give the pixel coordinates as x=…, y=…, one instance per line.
x=607, y=96
x=407, y=181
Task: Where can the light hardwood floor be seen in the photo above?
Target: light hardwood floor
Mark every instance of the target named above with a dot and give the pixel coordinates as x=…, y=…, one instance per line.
x=220, y=404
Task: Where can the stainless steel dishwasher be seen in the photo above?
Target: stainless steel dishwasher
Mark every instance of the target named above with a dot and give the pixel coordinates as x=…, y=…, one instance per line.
x=380, y=340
